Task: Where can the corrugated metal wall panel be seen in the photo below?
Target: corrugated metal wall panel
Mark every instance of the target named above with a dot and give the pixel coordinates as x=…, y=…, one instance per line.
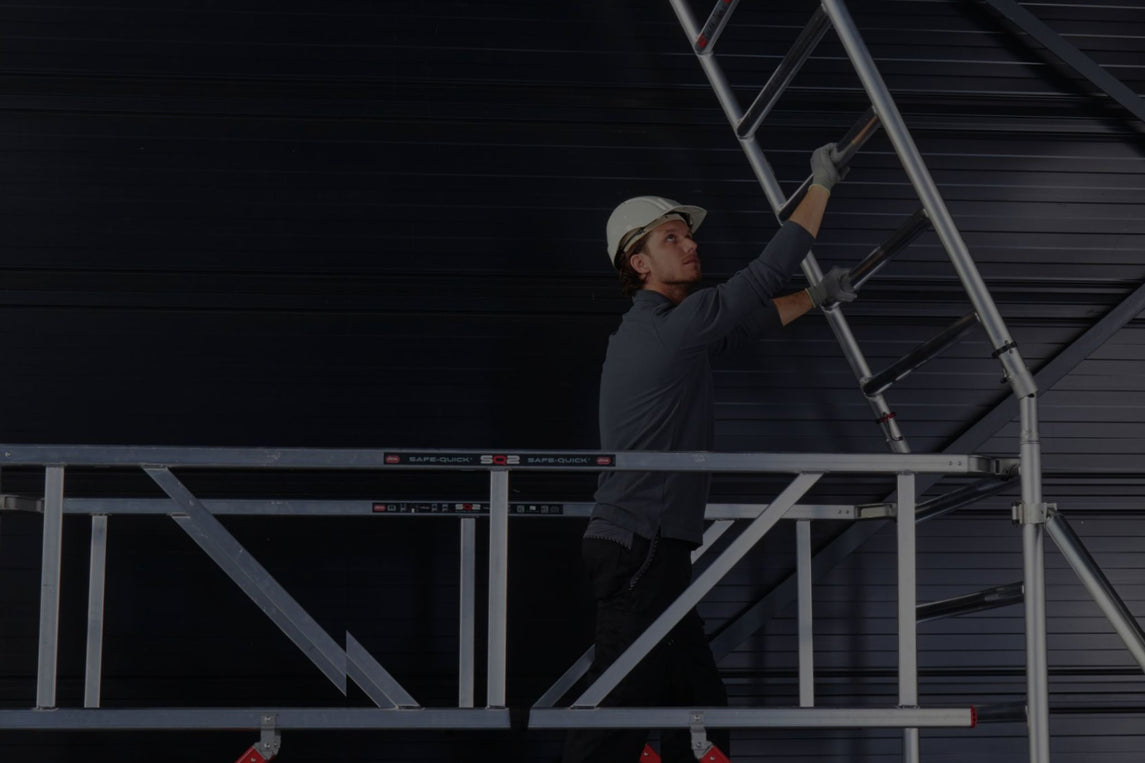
x=380, y=225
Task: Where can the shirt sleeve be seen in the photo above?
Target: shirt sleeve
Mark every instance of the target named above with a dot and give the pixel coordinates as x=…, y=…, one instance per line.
x=743, y=301
x=763, y=320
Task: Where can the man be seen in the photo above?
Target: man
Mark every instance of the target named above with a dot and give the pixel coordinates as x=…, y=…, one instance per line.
x=656, y=394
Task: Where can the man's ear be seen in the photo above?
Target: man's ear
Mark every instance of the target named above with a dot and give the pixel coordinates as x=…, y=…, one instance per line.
x=640, y=264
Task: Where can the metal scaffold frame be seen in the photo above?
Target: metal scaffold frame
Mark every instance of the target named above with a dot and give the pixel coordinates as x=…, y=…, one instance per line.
x=398, y=709
x=1032, y=512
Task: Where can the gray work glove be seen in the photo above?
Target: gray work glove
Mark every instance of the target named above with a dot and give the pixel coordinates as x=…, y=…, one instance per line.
x=824, y=171
x=835, y=287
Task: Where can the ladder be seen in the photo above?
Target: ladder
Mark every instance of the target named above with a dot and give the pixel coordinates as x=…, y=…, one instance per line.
x=883, y=113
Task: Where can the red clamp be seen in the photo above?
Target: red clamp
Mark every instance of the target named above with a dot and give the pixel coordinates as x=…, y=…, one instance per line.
x=251, y=756
x=714, y=755
x=649, y=755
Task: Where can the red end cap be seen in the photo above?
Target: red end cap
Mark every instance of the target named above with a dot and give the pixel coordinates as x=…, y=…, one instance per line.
x=973, y=716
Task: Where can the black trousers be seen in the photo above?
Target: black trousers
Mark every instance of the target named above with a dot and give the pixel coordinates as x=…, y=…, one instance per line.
x=632, y=587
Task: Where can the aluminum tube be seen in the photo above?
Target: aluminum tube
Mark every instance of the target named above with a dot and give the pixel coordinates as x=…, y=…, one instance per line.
x=1034, y=569
x=699, y=587
x=705, y=42
x=1002, y=712
x=856, y=137
x=585, y=461
x=730, y=105
x=846, y=148
x=50, y=564
x=884, y=417
x=802, y=49
x=251, y=719
x=365, y=718
x=374, y=679
x=97, y=576
x=254, y=580
x=1098, y=586
x=467, y=638
x=1031, y=452
x=963, y=496
x=274, y=507
x=498, y=586
x=907, y=607
x=806, y=618
x=1019, y=376
x=1037, y=681
x=881, y=255
x=991, y=598
x=582, y=461
x=920, y=355
x=750, y=717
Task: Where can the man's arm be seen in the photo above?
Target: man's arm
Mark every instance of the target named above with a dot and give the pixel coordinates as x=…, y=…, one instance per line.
x=791, y=306
x=809, y=214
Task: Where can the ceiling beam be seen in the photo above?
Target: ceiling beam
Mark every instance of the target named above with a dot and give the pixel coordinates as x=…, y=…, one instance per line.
x=1070, y=55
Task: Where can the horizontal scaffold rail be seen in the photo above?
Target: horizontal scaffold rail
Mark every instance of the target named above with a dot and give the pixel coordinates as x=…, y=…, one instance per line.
x=310, y=458
x=241, y=719
x=434, y=508
x=736, y=717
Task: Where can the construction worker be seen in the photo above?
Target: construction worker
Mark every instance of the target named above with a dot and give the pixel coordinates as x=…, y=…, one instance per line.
x=656, y=394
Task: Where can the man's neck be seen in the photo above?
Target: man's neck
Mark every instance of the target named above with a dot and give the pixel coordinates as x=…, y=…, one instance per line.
x=675, y=292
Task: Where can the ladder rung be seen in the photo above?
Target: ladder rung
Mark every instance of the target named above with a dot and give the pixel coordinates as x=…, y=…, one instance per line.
x=21, y=503
x=991, y=598
x=963, y=496
x=715, y=24
x=899, y=240
x=846, y=148
x=1002, y=712
x=807, y=41
x=919, y=355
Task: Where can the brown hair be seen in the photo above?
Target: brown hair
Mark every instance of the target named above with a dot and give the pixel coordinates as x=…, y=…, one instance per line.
x=630, y=280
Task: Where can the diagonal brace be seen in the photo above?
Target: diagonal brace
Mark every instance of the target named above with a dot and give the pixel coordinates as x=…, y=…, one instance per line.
x=253, y=579
x=279, y=606
x=1074, y=58
x=691, y=596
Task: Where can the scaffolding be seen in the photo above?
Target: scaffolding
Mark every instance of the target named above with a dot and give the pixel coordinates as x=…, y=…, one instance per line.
x=396, y=708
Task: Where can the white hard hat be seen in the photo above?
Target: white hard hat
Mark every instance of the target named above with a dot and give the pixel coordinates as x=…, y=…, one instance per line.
x=635, y=217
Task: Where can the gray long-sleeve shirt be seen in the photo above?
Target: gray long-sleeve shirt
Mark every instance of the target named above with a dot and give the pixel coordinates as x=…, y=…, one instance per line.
x=656, y=386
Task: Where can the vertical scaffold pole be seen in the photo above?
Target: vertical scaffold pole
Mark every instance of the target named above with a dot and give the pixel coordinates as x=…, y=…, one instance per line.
x=1034, y=573
x=806, y=614
x=468, y=613
x=907, y=610
x=93, y=672
x=50, y=587
x=498, y=585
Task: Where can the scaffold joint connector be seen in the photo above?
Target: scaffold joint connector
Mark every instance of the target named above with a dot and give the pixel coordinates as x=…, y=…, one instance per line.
x=1035, y=514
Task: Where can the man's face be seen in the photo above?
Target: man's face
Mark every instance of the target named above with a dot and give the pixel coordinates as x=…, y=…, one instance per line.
x=670, y=258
